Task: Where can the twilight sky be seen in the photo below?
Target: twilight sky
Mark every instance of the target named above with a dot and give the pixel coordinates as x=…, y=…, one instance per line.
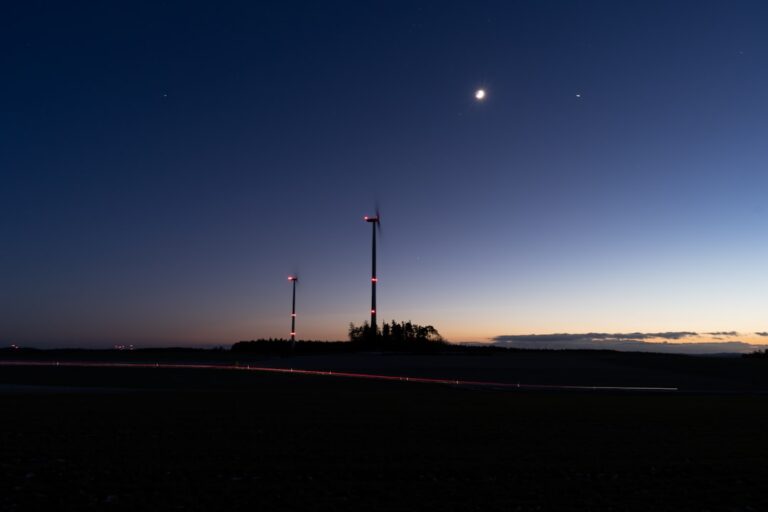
x=165, y=165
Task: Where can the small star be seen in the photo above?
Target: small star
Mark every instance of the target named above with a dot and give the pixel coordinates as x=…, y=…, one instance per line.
x=165, y=95
x=578, y=95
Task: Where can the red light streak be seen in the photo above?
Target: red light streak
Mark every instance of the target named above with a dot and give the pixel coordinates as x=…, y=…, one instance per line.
x=354, y=375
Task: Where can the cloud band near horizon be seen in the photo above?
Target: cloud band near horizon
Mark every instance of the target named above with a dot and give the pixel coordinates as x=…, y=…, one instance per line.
x=668, y=342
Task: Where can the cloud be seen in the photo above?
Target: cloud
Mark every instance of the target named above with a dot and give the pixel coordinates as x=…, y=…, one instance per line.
x=762, y=333
x=595, y=336
x=674, y=335
x=627, y=342
x=722, y=333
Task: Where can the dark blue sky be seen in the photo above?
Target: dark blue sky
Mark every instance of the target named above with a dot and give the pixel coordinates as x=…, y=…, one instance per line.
x=165, y=165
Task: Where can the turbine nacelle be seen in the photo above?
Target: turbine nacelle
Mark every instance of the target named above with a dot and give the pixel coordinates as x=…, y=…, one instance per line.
x=371, y=218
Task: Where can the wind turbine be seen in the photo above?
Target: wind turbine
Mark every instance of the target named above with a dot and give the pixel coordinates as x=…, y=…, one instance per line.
x=294, y=280
x=375, y=226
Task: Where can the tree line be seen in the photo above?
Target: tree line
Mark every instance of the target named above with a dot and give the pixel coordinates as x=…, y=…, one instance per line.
x=391, y=336
x=396, y=335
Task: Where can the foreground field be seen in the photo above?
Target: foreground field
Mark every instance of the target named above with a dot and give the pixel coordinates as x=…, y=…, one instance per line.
x=215, y=440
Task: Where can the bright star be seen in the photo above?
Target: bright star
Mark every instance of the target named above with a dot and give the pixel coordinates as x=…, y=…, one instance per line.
x=480, y=94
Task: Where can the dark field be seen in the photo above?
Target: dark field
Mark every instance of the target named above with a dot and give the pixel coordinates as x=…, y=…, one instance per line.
x=158, y=439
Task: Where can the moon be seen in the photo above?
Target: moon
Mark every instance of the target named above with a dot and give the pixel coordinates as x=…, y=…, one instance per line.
x=480, y=94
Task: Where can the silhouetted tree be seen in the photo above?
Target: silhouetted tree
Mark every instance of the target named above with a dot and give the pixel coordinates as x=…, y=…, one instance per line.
x=396, y=335
x=363, y=334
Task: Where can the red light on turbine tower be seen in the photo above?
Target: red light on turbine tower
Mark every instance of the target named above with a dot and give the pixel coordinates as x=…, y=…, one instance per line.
x=293, y=280
x=374, y=279
x=373, y=311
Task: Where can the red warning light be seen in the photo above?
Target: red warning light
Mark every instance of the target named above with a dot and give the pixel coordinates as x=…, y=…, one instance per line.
x=373, y=311
x=374, y=279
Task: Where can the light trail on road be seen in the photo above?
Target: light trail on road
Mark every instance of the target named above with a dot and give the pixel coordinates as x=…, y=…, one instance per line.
x=345, y=374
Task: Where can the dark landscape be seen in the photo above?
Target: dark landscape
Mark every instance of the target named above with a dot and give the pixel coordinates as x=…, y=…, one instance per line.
x=93, y=438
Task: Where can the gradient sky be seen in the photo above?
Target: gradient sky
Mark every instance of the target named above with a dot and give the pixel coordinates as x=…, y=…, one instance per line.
x=165, y=166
